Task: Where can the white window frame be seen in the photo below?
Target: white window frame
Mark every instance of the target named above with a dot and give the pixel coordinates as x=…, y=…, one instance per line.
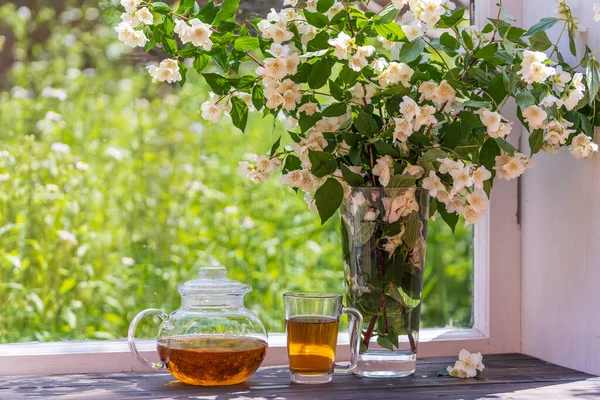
x=496, y=310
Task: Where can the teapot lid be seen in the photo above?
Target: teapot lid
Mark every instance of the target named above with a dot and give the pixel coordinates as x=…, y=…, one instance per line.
x=213, y=281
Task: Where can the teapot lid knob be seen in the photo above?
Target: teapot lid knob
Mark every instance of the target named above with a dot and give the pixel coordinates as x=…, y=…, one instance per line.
x=212, y=272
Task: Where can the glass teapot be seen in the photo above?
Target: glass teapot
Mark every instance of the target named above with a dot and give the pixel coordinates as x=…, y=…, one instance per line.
x=212, y=339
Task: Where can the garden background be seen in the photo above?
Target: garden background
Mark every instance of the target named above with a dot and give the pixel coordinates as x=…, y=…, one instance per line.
x=113, y=190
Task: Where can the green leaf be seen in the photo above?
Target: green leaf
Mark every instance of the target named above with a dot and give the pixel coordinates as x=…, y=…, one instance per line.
x=433, y=155
x=208, y=12
x=169, y=45
x=67, y=285
x=336, y=91
x=443, y=372
x=449, y=41
x=185, y=5
x=246, y=43
x=387, y=149
x=335, y=110
x=449, y=218
x=227, y=12
x=323, y=163
x=320, y=74
x=536, y=141
x=449, y=21
x=201, y=62
x=315, y=19
x=544, y=24
x=410, y=51
x=525, y=99
x=160, y=7
x=593, y=79
x=365, y=123
x=352, y=178
x=586, y=125
x=572, y=46
x=328, y=198
x=401, y=181
x=319, y=42
x=387, y=15
x=467, y=39
x=412, y=231
x=308, y=121
x=488, y=153
x=218, y=84
x=275, y=147
x=258, y=97
x=486, y=51
x=391, y=31
x=385, y=342
x=324, y=5
x=157, y=35
x=292, y=163
x=239, y=113
x=540, y=41
x=182, y=72
x=497, y=88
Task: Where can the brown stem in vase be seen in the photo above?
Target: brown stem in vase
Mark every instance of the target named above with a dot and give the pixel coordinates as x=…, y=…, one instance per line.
x=384, y=314
x=369, y=331
x=411, y=340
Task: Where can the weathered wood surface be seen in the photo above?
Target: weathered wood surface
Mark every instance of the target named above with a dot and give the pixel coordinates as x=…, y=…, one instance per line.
x=507, y=376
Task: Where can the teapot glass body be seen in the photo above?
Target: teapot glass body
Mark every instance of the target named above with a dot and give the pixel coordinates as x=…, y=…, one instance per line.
x=212, y=339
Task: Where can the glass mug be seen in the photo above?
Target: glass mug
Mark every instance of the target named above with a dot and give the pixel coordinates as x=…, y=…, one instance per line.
x=312, y=323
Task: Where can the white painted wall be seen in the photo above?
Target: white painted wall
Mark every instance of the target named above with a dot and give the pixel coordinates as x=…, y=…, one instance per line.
x=560, y=249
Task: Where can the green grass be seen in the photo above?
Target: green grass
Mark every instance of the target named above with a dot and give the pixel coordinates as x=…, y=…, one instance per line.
x=173, y=201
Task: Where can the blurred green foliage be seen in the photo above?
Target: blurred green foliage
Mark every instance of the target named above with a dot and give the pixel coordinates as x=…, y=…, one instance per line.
x=92, y=233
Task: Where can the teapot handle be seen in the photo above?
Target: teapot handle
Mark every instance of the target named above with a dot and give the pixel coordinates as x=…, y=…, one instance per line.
x=131, y=340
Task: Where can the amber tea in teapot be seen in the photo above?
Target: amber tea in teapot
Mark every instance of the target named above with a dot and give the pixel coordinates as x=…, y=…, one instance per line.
x=211, y=361
x=212, y=339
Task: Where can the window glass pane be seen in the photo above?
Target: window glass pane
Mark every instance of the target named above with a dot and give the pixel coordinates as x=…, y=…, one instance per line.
x=112, y=191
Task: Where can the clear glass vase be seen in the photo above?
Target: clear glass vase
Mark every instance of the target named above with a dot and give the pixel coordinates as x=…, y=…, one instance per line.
x=384, y=233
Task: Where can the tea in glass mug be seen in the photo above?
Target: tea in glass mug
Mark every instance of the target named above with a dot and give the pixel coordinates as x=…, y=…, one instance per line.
x=312, y=324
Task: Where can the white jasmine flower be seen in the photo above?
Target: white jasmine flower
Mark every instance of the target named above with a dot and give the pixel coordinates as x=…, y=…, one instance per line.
x=396, y=73
x=399, y=4
x=444, y=93
x=409, y=108
x=131, y=19
x=478, y=200
x=412, y=31
x=573, y=98
x=535, y=116
x=448, y=165
x=278, y=50
x=335, y=9
x=379, y=64
x=427, y=90
x=309, y=108
x=403, y=129
x=414, y=170
x=54, y=93
x=309, y=199
x=302, y=179
x=211, y=111
x=129, y=36
x=362, y=93
x=400, y=205
x=469, y=363
x=291, y=3
x=560, y=79
x=383, y=169
x=328, y=124
x=461, y=178
x=278, y=33
x=130, y=5
x=145, y=16
x=82, y=166
x=359, y=60
x=343, y=44
x=433, y=183
x=166, y=71
x=582, y=146
x=424, y=117
x=480, y=175
x=276, y=67
x=551, y=100
x=490, y=119
x=471, y=215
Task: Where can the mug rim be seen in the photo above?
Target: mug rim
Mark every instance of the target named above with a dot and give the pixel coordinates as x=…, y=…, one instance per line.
x=313, y=295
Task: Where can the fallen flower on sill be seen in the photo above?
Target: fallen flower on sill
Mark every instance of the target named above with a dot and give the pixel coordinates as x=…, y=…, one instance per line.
x=467, y=366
